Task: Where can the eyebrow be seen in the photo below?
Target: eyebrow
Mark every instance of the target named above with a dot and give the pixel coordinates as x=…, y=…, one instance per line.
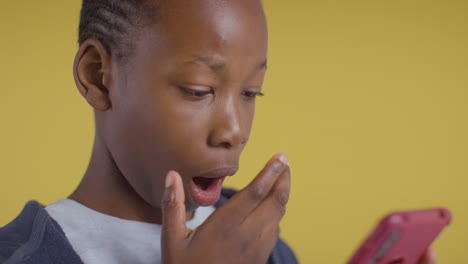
x=217, y=64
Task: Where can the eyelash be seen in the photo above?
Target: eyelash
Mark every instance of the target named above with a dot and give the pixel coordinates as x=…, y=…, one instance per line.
x=249, y=95
x=194, y=93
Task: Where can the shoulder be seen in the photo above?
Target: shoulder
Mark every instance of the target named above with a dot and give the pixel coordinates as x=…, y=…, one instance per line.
x=282, y=253
x=15, y=234
x=34, y=237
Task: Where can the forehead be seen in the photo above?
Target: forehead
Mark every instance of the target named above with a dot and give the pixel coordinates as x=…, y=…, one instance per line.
x=215, y=28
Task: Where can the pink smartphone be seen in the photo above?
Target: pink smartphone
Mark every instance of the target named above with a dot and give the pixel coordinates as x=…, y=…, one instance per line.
x=402, y=237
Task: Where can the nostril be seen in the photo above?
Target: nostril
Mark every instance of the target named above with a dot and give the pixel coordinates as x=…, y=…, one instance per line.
x=227, y=136
x=226, y=145
x=223, y=139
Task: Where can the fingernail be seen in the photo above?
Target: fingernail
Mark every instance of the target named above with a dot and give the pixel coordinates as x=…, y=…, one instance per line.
x=284, y=159
x=169, y=180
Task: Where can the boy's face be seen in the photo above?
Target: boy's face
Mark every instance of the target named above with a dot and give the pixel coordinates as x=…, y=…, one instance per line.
x=184, y=100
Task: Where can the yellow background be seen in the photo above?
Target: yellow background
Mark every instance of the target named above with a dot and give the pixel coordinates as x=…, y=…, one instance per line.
x=369, y=99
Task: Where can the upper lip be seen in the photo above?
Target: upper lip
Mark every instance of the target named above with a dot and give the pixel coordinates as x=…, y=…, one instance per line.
x=218, y=172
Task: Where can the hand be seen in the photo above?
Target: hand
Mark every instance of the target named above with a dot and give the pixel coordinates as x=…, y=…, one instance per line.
x=428, y=257
x=242, y=230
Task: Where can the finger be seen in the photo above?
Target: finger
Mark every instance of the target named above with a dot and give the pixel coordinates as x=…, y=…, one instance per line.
x=271, y=210
x=173, y=210
x=234, y=211
x=263, y=222
x=429, y=257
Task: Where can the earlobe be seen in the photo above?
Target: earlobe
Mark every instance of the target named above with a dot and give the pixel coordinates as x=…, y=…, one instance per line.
x=92, y=73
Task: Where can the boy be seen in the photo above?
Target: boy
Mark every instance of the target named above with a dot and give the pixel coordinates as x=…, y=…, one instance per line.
x=173, y=85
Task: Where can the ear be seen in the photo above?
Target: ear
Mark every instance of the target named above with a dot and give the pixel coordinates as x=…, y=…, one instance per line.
x=92, y=73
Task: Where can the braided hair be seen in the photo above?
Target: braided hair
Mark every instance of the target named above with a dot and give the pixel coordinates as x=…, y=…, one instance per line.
x=116, y=23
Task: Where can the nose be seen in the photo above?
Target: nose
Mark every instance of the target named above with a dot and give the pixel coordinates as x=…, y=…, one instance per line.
x=229, y=127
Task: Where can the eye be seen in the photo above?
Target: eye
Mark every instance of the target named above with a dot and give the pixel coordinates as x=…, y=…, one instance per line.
x=251, y=95
x=198, y=94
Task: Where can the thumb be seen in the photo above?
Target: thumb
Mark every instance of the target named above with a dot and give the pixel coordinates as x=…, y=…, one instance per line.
x=173, y=210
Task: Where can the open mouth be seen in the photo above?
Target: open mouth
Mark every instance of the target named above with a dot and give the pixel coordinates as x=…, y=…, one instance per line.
x=203, y=183
x=205, y=188
x=206, y=191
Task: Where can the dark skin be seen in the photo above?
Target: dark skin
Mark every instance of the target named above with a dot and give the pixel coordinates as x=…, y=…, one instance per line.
x=148, y=120
x=183, y=102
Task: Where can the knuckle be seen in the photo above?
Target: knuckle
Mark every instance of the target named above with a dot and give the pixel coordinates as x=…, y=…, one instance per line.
x=282, y=210
x=281, y=199
x=276, y=167
x=168, y=203
x=259, y=191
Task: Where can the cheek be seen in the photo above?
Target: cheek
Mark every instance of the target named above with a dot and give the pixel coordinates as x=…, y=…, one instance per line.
x=134, y=136
x=157, y=134
x=171, y=137
x=184, y=129
x=160, y=132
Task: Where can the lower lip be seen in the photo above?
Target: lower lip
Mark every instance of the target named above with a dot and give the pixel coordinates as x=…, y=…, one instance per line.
x=209, y=196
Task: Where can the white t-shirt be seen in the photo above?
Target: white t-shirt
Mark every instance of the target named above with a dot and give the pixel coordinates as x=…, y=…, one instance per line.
x=104, y=239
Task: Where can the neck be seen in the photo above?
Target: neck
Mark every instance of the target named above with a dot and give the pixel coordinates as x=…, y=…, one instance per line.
x=105, y=189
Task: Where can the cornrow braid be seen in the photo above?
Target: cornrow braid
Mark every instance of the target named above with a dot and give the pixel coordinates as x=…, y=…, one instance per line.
x=115, y=22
